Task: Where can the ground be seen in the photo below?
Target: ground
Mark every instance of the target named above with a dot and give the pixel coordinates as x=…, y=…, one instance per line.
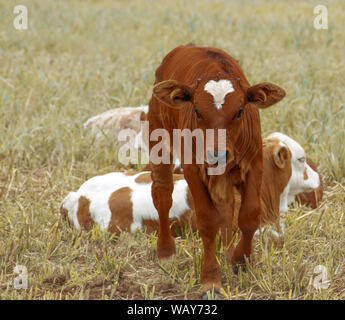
x=77, y=59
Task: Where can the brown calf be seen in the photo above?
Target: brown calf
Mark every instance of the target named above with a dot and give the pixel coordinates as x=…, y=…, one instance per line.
x=204, y=88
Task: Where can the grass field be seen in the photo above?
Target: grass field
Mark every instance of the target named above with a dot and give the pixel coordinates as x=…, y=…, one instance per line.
x=80, y=58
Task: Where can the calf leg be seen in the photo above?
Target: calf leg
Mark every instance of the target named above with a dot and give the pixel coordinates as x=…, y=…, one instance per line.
x=228, y=227
x=208, y=223
x=248, y=220
x=210, y=271
x=227, y=234
x=162, y=188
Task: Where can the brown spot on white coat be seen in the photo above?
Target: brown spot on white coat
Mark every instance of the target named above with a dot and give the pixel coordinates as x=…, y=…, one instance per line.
x=121, y=208
x=83, y=213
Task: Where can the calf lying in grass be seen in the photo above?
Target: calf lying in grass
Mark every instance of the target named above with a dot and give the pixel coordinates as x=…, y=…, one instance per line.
x=119, y=201
x=109, y=124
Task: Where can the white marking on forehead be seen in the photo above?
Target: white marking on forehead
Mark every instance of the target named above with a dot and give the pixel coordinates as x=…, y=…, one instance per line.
x=219, y=89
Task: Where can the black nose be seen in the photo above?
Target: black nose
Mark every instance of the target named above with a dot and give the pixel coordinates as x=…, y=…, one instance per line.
x=217, y=156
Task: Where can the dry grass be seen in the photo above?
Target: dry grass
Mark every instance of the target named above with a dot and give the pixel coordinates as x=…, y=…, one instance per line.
x=77, y=60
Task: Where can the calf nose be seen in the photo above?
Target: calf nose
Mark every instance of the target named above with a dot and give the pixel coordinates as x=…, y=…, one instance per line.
x=220, y=154
x=217, y=156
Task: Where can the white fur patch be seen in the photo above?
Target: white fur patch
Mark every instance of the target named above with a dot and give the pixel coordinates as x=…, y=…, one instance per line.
x=178, y=165
x=219, y=89
x=70, y=203
x=144, y=209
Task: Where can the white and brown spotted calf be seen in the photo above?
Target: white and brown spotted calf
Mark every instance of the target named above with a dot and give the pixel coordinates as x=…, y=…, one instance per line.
x=122, y=202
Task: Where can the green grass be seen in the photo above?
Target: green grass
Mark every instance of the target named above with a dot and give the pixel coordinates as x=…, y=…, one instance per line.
x=78, y=59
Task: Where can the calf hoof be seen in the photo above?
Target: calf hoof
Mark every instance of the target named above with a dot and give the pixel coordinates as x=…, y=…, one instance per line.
x=239, y=264
x=211, y=291
x=211, y=295
x=167, y=260
x=166, y=250
x=236, y=268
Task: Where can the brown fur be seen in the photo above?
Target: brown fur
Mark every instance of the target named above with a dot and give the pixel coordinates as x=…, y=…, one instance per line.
x=143, y=178
x=275, y=179
x=148, y=167
x=83, y=213
x=305, y=174
x=130, y=173
x=120, y=205
x=63, y=212
x=146, y=178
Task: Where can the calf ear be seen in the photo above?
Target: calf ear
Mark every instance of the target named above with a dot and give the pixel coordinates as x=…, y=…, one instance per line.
x=173, y=93
x=143, y=116
x=281, y=156
x=265, y=94
x=311, y=164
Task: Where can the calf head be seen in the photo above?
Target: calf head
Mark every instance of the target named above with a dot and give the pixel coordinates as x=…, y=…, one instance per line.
x=276, y=176
x=303, y=177
x=277, y=163
x=222, y=102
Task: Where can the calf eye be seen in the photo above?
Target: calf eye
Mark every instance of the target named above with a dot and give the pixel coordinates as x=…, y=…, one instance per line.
x=197, y=113
x=301, y=159
x=239, y=114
